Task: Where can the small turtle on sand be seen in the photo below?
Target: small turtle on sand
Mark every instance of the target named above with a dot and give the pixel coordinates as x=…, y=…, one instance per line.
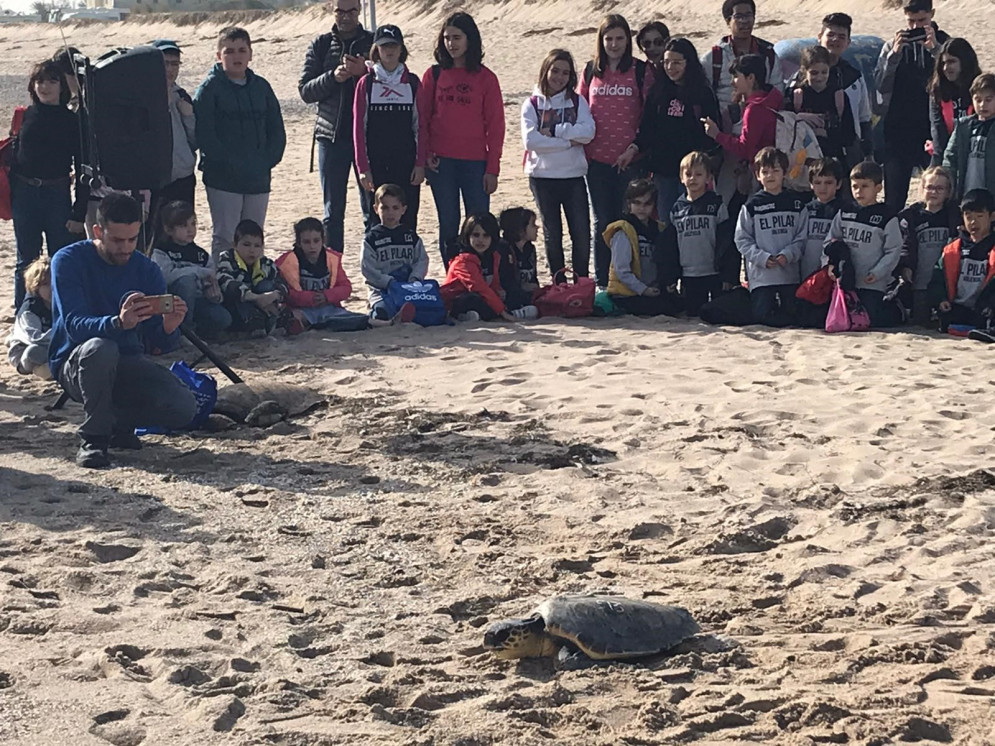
x=582, y=629
x=260, y=404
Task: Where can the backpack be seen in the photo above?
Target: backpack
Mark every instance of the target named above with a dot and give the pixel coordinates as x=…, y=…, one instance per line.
x=7, y=147
x=640, y=73
x=424, y=295
x=796, y=138
x=763, y=48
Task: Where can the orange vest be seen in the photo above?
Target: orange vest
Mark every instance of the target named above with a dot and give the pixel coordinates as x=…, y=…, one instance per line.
x=290, y=268
x=951, y=267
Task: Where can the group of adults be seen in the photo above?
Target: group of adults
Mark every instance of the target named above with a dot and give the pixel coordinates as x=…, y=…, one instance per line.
x=460, y=133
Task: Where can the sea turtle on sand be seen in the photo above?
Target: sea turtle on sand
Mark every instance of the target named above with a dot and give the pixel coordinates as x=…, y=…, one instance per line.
x=581, y=629
x=260, y=404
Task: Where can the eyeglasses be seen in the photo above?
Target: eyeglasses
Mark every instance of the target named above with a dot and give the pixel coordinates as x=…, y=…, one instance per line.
x=349, y=12
x=936, y=188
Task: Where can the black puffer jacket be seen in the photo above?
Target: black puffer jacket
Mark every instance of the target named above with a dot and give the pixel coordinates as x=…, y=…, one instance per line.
x=318, y=85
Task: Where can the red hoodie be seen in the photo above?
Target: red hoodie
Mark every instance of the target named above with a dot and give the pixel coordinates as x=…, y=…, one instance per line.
x=759, y=125
x=465, y=115
x=465, y=276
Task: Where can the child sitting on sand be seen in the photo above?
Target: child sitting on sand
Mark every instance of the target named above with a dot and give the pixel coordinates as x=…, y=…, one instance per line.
x=250, y=283
x=392, y=251
x=27, y=345
x=639, y=282
x=474, y=288
x=520, y=231
x=189, y=270
x=961, y=288
x=316, y=283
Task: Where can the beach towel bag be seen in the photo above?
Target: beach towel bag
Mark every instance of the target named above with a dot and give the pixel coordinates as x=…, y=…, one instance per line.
x=424, y=295
x=204, y=389
x=6, y=156
x=846, y=314
x=817, y=288
x=569, y=300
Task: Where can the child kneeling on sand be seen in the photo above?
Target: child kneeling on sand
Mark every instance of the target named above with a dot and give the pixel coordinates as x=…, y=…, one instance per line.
x=27, y=345
x=480, y=275
x=250, y=283
x=641, y=280
x=317, y=283
x=962, y=288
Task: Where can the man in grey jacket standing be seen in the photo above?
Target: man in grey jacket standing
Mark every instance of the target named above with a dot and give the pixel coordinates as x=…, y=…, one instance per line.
x=333, y=63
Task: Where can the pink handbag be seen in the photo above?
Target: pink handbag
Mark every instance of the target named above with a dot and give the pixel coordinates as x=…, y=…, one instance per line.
x=568, y=300
x=846, y=314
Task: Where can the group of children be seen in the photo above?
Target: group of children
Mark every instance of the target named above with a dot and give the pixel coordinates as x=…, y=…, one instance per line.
x=934, y=257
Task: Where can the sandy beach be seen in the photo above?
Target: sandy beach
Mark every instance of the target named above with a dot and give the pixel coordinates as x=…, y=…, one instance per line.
x=824, y=505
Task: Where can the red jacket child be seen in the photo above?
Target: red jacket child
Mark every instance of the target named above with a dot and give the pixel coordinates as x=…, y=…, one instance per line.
x=305, y=279
x=466, y=275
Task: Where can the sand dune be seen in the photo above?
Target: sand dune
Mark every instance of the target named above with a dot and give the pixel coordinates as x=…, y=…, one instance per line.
x=820, y=503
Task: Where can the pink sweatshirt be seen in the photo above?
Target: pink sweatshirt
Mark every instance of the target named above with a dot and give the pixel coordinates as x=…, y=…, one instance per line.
x=617, y=108
x=465, y=115
x=759, y=125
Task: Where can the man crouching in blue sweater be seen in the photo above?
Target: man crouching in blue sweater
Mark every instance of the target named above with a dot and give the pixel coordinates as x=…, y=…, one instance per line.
x=102, y=326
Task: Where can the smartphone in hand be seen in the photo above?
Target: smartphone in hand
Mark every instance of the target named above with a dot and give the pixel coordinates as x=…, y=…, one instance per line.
x=159, y=305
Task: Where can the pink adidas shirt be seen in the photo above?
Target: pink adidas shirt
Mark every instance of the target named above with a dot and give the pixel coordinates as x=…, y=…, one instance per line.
x=617, y=107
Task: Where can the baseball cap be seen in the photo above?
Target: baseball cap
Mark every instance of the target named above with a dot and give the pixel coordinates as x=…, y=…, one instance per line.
x=388, y=34
x=166, y=45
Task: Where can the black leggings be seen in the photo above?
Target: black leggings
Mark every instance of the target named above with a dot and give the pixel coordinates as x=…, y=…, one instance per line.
x=664, y=304
x=473, y=302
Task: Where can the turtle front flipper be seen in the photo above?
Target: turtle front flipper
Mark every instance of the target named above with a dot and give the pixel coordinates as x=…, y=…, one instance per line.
x=572, y=658
x=266, y=413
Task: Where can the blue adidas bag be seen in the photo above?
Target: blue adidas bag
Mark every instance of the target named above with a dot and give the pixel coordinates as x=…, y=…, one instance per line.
x=423, y=294
x=204, y=389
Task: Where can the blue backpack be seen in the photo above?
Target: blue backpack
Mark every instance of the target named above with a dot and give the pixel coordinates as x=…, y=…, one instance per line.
x=423, y=294
x=204, y=389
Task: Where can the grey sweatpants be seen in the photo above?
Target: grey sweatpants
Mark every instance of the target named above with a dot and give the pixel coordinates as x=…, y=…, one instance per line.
x=122, y=392
x=29, y=358
x=228, y=209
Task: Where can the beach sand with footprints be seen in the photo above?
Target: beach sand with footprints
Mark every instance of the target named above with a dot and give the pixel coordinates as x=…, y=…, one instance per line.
x=821, y=504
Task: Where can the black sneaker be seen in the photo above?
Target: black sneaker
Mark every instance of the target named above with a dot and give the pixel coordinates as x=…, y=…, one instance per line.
x=982, y=335
x=126, y=440
x=92, y=455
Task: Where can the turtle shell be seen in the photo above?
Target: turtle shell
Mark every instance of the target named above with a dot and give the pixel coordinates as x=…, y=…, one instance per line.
x=237, y=400
x=612, y=627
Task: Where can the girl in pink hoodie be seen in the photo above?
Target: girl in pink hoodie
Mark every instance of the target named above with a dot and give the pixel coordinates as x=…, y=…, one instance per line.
x=749, y=80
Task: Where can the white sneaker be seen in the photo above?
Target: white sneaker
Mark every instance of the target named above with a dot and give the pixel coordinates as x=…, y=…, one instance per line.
x=526, y=312
x=469, y=316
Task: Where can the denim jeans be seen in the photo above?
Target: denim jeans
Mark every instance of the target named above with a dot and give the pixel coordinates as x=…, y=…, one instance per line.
x=455, y=177
x=570, y=195
x=606, y=185
x=39, y=212
x=335, y=162
x=122, y=392
x=207, y=319
x=668, y=190
x=335, y=319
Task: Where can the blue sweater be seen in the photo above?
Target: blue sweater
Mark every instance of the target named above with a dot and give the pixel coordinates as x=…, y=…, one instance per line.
x=87, y=294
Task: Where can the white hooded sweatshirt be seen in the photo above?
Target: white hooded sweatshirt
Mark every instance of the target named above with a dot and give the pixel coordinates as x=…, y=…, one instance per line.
x=560, y=154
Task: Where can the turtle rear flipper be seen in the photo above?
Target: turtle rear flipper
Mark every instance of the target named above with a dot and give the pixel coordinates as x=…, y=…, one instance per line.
x=266, y=413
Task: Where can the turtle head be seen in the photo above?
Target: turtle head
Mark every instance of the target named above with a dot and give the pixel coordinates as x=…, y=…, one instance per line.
x=519, y=638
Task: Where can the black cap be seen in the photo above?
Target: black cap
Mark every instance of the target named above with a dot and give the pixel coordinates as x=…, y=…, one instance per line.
x=166, y=45
x=388, y=34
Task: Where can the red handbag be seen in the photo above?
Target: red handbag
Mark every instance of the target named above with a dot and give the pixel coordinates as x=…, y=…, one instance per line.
x=567, y=299
x=6, y=154
x=817, y=288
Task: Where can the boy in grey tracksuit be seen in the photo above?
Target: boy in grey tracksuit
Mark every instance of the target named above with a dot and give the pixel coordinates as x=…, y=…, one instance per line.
x=770, y=234
x=392, y=252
